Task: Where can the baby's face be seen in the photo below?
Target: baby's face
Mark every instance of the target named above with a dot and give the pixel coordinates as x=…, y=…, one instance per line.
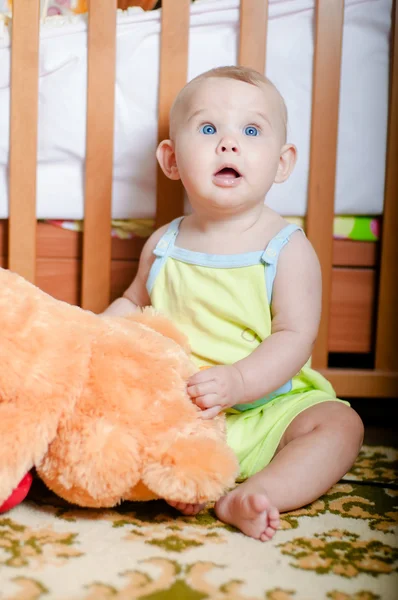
x=228, y=139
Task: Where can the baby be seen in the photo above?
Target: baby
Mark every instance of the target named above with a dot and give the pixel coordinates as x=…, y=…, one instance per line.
x=245, y=287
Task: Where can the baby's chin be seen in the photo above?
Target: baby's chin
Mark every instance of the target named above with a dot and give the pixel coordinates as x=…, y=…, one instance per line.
x=227, y=204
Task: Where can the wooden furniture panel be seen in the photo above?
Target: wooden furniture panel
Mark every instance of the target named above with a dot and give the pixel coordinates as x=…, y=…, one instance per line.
x=353, y=289
x=122, y=274
x=55, y=242
x=363, y=383
x=348, y=253
x=352, y=309
x=61, y=277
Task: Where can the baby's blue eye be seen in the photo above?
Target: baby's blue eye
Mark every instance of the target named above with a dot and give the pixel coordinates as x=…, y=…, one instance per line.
x=208, y=129
x=251, y=130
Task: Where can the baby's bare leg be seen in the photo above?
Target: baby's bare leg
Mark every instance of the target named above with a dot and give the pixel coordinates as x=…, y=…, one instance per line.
x=316, y=450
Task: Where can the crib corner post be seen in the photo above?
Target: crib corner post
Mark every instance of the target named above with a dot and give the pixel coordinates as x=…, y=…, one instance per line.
x=387, y=310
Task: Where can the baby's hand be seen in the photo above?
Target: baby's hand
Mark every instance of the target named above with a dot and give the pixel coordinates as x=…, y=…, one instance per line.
x=215, y=389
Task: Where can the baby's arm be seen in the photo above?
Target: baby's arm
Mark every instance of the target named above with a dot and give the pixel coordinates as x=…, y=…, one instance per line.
x=296, y=309
x=296, y=312
x=136, y=295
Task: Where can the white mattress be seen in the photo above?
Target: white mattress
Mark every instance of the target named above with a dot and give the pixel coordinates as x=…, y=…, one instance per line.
x=213, y=42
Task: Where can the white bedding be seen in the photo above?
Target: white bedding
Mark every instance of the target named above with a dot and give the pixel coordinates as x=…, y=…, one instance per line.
x=213, y=41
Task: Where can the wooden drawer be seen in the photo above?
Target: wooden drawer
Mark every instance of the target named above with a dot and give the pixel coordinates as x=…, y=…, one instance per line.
x=59, y=254
x=352, y=305
x=352, y=310
x=55, y=242
x=347, y=253
x=60, y=277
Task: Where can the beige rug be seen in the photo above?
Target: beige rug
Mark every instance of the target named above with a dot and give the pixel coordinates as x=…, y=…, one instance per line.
x=342, y=547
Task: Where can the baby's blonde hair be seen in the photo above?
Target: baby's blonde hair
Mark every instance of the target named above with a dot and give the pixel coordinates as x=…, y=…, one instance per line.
x=244, y=74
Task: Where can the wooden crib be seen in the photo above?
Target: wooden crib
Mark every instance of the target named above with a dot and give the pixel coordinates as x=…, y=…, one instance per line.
x=360, y=280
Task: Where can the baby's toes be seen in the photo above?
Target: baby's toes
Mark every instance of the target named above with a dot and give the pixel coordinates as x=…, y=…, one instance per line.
x=180, y=506
x=187, y=509
x=274, y=518
x=193, y=509
x=190, y=509
x=268, y=534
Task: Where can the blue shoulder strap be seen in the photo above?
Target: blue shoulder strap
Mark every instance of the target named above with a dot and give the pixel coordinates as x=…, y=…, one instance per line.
x=162, y=251
x=271, y=254
x=166, y=242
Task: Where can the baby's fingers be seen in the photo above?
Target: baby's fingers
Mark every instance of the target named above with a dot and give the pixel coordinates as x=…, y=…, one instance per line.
x=207, y=401
x=210, y=413
x=200, y=389
x=202, y=376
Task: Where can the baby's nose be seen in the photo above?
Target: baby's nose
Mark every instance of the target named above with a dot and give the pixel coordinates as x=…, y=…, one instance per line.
x=228, y=144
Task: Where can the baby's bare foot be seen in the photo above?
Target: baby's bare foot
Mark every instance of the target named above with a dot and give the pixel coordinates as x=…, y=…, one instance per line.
x=187, y=509
x=252, y=513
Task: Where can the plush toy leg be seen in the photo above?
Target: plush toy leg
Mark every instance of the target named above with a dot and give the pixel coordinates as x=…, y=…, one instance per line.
x=92, y=462
x=18, y=495
x=193, y=469
x=24, y=439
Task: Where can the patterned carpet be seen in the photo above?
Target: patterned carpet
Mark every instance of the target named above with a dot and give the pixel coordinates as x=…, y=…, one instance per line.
x=342, y=547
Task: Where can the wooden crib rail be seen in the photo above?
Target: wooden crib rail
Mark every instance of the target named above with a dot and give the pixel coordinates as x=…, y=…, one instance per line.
x=379, y=382
x=387, y=313
x=172, y=77
x=253, y=34
x=322, y=171
x=96, y=273
x=23, y=138
x=382, y=381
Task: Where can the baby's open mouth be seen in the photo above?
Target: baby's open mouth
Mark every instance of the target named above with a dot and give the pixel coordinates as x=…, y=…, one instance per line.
x=227, y=176
x=228, y=172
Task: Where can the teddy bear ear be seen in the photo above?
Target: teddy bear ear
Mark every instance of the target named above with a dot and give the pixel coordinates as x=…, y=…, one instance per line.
x=25, y=436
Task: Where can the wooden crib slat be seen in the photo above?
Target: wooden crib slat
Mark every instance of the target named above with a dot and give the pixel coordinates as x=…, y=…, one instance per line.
x=172, y=77
x=23, y=138
x=387, y=313
x=96, y=275
x=325, y=109
x=253, y=34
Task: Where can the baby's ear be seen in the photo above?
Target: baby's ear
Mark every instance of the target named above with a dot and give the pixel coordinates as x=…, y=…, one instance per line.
x=167, y=159
x=287, y=160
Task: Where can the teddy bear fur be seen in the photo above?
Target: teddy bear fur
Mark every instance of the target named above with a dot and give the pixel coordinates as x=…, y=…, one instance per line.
x=99, y=405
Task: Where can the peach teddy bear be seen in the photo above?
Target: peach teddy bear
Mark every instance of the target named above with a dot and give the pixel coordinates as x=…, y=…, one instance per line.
x=99, y=405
